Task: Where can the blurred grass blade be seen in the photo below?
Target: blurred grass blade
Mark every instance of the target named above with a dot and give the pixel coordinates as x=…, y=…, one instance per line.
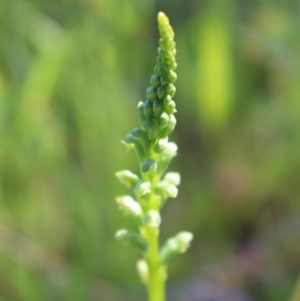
x=215, y=82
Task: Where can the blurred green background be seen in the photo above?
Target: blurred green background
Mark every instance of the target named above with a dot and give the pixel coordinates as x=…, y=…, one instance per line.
x=71, y=74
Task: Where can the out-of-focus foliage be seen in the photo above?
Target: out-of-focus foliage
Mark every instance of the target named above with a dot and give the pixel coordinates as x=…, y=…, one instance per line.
x=71, y=74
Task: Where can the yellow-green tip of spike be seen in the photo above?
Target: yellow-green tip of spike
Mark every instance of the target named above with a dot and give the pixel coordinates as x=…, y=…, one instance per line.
x=162, y=19
x=162, y=16
x=164, y=26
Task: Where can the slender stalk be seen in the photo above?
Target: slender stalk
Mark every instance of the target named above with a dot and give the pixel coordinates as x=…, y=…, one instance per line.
x=157, y=272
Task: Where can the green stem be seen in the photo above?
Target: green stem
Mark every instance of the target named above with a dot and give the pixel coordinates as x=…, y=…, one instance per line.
x=157, y=271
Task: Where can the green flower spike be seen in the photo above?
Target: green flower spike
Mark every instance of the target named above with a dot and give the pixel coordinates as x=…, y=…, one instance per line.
x=154, y=186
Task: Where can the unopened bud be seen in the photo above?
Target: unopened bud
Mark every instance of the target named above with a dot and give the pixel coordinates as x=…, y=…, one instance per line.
x=129, y=206
x=167, y=190
x=164, y=80
x=132, y=142
x=165, y=146
x=170, y=107
x=152, y=219
x=172, y=76
x=161, y=145
x=167, y=151
x=154, y=80
x=184, y=240
x=163, y=120
x=176, y=245
x=147, y=109
x=158, y=70
x=161, y=92
x=140, y=109
x=141, y=134
x=157, y=107
x=149, y=165
x=151, y=93
x=142, y=188
x=128, y=178
x=172, y=178
x=170, y=90
x=169, y=128
x=166, y=100
x=150, y=127
x=143, y=270
x=133, y=238
x=138, y=137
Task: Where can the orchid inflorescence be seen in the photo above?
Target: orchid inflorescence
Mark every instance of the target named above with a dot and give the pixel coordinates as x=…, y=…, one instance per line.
x=154, y=185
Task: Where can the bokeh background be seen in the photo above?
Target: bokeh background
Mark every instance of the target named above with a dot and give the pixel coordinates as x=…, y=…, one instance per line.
x=71, y=74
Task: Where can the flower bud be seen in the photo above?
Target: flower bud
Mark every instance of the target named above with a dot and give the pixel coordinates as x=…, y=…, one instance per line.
x=155, y=81
x=165, y=60
x=150, y=127
x=133, y=238
x=170, y=90
x=157, y=107
x=166, y=189
x=140, y=109
x=171, y=191
x=147, y=109
x=143, y=270
x=170, y=107
x=170, y=53
x=129, y=206
x=167, y=151
x=151, y=93
x=159, y=70
x=164, y=146
x=166, y=100
x=161, y=92
x=149, y=165
x=172, y=76
x=142, y=188
x=164, y=80
x=152, y=219
x=128, y=178
x=176, y=245
x=132, y=142
x=141, y=134
x=172, y=122
x=184, y=240
x=172, y=178
x=169, y=128
x=166, y=67
x=139, y=139
x=163, y=120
